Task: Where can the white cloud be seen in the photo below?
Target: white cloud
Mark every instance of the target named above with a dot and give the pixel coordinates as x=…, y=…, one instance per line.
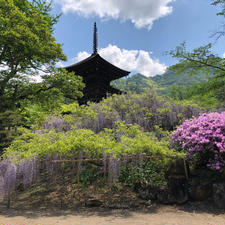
x=35, y=78
x=60, y=64
x=223, y=56
x=140, y=12
x=131, y=60
x=81, y=55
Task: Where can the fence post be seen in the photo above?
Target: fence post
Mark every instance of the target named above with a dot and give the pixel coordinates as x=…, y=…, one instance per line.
x=8, y=199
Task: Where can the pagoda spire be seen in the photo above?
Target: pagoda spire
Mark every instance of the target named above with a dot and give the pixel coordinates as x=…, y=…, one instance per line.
x=95, y=40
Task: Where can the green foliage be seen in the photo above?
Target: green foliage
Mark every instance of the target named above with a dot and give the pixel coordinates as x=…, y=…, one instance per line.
x=28, y=49
x=26, y=38
x=9, y=121
x=171, y=78
x=150, y=174
x=187, y=85
x=147, y=110
x=203, y=59
x=89, y=174
x=137, y=83
x=196, y=93
x=34, y=115
x=222, y=3
x=121, y=141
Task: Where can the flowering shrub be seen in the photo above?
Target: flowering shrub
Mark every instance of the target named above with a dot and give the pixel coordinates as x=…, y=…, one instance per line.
x=147, y=110
x=204, y=138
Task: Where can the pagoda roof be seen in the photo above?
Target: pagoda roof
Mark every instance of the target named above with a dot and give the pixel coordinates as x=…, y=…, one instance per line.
x=97, y=73
x=95, y=64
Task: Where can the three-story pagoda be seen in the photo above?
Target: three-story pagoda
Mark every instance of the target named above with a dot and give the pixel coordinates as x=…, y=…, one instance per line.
x=97, y=74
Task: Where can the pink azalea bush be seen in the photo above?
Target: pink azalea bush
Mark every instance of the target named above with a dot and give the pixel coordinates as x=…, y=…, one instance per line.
x=204, y=138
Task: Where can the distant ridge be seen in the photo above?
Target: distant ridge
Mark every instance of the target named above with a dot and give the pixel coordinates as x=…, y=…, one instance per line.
x=139, y=83
x=136, y=83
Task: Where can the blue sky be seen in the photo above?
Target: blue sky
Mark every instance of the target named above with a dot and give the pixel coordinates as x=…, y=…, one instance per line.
x=135, y=34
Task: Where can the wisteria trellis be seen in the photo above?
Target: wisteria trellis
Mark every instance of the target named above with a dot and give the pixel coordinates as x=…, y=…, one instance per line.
x=27, y=172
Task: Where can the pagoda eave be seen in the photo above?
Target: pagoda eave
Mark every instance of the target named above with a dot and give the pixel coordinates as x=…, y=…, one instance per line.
x=96, y=64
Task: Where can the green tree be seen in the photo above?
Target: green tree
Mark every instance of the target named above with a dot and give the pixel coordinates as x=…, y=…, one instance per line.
x=28, y=49
x=203, y=59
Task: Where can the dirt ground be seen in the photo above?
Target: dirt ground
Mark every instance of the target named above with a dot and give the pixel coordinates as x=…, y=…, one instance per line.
x=121, y=206
x=153, y=215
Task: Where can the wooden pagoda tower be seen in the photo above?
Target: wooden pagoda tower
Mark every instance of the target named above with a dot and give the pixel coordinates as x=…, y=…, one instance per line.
x=97, y=74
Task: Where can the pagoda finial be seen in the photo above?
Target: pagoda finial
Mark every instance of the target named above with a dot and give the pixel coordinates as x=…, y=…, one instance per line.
x=95, y=41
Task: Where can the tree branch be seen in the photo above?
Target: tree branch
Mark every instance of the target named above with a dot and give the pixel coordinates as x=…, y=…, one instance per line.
x=203, y=63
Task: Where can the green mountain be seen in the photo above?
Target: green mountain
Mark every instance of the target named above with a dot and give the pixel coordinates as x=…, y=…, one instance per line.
x=160, y=83
x=170, y=78
x=137, y=83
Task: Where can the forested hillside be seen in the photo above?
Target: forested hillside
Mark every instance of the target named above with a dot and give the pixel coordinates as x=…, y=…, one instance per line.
x=192, y=86
x=136, y=83
x=171, y=77
x=139, y=83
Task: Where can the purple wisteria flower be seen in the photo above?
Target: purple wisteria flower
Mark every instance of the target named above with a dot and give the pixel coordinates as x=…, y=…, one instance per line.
x=7, y=177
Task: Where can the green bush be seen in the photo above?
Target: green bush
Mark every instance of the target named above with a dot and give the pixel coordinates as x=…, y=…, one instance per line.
x=123, y=140
x=150, y=174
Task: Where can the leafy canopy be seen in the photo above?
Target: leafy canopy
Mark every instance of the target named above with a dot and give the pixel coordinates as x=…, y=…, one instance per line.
x=123, y=140
x=203, y=59
x=28, y=47
x=28, y=50
x=26, y=40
